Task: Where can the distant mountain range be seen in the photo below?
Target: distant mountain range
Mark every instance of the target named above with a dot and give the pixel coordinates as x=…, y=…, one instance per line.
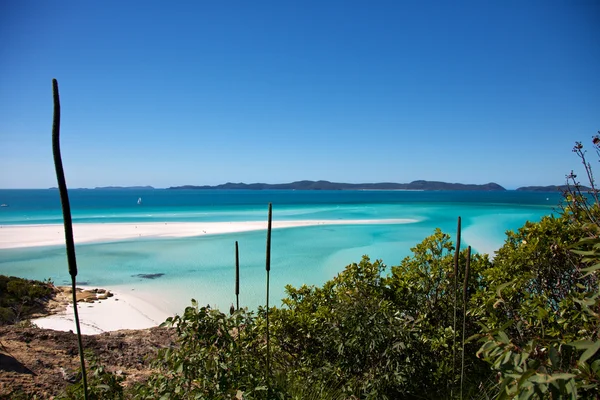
x=326, y=185
x=551, y=188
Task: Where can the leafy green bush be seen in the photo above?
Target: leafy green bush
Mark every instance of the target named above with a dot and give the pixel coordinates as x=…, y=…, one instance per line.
x=20, y=297
x=347, y=332
x=532, y=274
x=217, y=356
x=540, y=302
x=538, y=309
x=423, y=290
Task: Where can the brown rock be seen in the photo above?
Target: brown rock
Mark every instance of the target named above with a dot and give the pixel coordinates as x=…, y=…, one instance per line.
x=84, y=295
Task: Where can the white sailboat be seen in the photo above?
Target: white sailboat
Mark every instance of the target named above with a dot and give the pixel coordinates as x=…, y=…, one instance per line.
x=139, y=201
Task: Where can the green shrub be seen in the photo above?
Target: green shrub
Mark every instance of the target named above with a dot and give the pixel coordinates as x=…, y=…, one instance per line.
x=347, y=332
x=540, y=302
x=217, y=356
x=20, y=297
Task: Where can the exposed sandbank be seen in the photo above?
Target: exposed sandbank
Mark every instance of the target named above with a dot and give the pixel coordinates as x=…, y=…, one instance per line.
x=122, y=311
x=18, y=236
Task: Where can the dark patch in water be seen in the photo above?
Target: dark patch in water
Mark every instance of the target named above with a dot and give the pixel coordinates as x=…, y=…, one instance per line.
x=148, y=276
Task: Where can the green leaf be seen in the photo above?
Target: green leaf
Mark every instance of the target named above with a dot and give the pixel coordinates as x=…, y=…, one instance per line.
x=561, y=376
x=596, y=366
x=590, y=351
x=593, y=268
x=503, y=337
x=502, y=287
x=525, y=376
x=527, y=393
x=554, y=356
x=473, y=337
x=540, y=378
x=584, y=252
x=582, y=344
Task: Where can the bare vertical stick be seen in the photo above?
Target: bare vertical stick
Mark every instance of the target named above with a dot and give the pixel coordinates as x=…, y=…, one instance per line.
x=465, y=287
x=456, y=259
x=237, y=301
x=237, y=277
x=268, y=267
x=66, y=209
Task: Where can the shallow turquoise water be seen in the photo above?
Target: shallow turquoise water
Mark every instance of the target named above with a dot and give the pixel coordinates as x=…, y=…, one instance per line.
x=203, y=267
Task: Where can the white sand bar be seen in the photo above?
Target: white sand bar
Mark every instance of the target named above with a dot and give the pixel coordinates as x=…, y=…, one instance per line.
x=17, y=236
x=122, y=311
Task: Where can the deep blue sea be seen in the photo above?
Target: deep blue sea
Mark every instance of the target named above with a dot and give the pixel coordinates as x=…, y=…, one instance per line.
x=203, y=267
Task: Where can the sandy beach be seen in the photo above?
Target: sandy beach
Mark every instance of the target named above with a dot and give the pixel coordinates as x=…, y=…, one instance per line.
x=19, y=236
x=124, y=310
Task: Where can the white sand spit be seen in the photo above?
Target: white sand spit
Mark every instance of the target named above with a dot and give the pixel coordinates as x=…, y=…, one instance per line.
x=17, y=236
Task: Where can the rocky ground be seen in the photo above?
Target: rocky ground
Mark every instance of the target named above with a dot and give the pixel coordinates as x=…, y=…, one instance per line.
x=42, y=362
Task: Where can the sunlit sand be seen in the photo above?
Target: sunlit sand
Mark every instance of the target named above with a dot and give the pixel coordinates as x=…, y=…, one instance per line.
x=122, y=311
x=19, y=236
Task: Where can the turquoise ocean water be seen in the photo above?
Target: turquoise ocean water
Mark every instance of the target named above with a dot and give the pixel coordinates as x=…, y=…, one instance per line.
x=203, y=267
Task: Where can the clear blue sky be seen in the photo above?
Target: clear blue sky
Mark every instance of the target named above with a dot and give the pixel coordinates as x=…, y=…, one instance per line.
x=204, y=92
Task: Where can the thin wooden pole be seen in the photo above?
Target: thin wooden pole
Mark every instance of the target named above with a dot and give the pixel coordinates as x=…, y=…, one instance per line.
x=456, y=260
x=268, y=268
x=237, y=277
x=66, y=210
x=465, y=287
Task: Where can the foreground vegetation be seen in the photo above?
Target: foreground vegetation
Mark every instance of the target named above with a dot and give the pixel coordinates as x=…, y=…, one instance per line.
x=523, y=325
x=377, y=333
x=19, y=298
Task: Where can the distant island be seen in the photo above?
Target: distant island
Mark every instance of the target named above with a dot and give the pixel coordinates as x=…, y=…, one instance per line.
x=420, y=185
x=326, y=185
x=551, y=188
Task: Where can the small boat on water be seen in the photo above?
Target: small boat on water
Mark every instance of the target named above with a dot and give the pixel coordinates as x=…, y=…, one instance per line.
x=139, y=201
x=3, y=205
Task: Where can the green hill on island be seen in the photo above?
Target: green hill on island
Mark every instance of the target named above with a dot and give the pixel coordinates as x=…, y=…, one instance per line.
x=326, y=185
